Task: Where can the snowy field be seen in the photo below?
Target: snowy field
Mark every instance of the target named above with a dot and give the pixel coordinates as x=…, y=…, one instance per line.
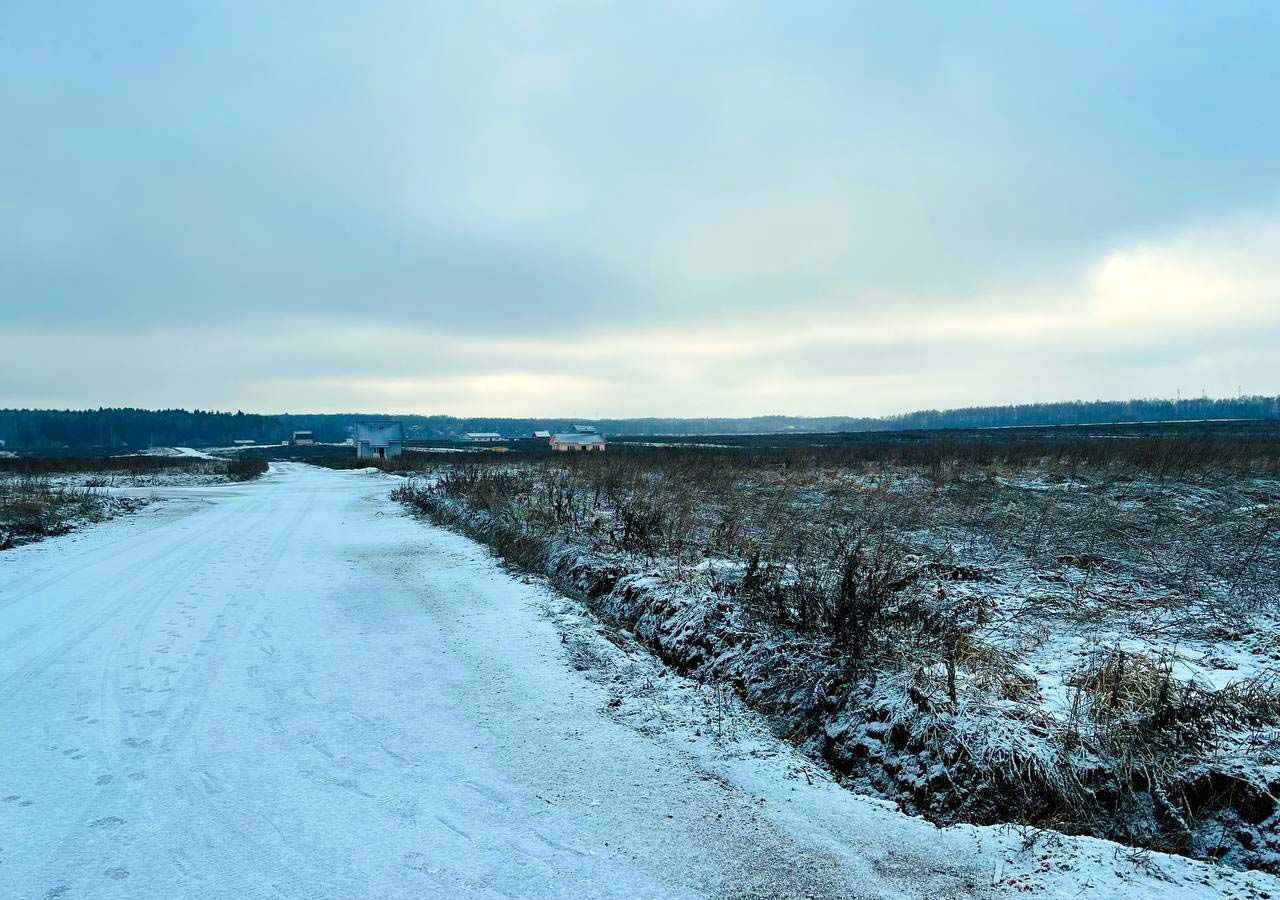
x=43, y=496
x=290, y=688
x=1085, y=645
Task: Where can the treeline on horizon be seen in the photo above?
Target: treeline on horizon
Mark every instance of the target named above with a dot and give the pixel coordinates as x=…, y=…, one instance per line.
x=137, y=429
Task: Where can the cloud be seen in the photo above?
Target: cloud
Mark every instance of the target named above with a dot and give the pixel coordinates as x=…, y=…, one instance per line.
x=705, y=208
x=1198, y=308
x=1202, y=278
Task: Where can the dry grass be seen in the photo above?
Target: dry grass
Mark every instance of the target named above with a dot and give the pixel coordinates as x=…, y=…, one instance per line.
x=32, y=507
x=919, y=597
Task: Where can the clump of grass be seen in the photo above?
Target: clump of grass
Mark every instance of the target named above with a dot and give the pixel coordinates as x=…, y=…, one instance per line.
x=105, y=471
x=245, y=469
x=32, y=507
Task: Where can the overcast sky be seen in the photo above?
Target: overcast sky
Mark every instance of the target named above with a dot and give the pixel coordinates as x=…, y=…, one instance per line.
x=685, y=208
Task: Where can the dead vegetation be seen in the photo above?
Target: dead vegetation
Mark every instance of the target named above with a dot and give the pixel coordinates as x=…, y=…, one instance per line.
x=109, y=468
x=42, y=497
x=32, y=508
x=1086, y=641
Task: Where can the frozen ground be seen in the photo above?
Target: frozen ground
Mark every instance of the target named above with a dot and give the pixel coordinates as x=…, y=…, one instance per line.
x=288, y=688
x=130, y=481
x=1083, y=646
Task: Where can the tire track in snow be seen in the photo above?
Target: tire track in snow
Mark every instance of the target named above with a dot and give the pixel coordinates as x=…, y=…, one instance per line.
x=149, y=751
x=125, y=595
x=119, y=782
x=86, y=559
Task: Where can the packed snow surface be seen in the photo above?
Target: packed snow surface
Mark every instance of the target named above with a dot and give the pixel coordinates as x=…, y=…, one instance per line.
x=288, y=688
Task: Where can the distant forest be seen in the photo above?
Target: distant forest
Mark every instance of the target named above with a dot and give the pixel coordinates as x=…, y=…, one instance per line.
x=136, y=429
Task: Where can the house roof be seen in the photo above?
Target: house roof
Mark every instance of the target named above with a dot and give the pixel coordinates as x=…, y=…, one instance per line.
x=379, y=433
x=578, y=439
x=542, y=434
x=585, y=429
x=483, y=434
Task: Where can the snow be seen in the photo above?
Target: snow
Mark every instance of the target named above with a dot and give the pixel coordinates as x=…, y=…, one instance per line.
x=117, y=482
x=291, y=688
x=188, y=452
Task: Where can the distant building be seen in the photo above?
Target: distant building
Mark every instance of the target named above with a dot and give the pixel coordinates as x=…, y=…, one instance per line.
x=243, y=442
x=303, y=438
x=585, y=429
x=484, y=437
x=542, y=434
x=379, y=440
x=564, y=443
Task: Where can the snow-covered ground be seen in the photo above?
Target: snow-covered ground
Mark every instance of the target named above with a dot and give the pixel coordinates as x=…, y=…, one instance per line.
x=1094, y=649
x=291, y=688
x=115, y=482
x=188, y=452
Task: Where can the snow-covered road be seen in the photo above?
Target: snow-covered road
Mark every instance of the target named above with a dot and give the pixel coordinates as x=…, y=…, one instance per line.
x=289, y=688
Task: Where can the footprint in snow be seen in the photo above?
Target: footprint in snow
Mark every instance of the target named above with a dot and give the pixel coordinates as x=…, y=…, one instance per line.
x=210, y=783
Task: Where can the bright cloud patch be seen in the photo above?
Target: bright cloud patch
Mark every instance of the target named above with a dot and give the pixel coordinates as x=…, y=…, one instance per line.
x=1199, y=310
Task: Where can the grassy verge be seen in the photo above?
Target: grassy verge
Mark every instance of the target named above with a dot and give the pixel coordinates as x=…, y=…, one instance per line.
x=34, y=466
x=1085, y=641
x=42, y=497
x=32, y=508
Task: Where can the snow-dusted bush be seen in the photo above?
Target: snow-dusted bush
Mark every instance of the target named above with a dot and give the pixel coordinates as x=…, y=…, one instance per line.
x=33, y=507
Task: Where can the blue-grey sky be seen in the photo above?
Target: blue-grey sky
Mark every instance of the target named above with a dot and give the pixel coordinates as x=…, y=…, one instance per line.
x=669, y=208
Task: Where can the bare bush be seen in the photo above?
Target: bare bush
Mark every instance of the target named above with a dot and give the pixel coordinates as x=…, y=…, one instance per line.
x=32, y=507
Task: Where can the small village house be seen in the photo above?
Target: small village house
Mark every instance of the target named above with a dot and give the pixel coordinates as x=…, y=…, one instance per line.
x=544, y=435
x=565, y=443
x=378, y=440
x=484, y=437
x=303, y=439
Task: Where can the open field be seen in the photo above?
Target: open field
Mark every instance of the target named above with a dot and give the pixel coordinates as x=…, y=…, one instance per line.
x=292, y=688
x=45, y=496
x=1140, y=443
x=1075, y=631
x=1072, y=633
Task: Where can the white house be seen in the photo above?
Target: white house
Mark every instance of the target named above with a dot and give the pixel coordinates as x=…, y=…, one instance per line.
x=542, y=434
x=303, y=438
x=379, y=440
x=563, y=443
x=484, y=437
